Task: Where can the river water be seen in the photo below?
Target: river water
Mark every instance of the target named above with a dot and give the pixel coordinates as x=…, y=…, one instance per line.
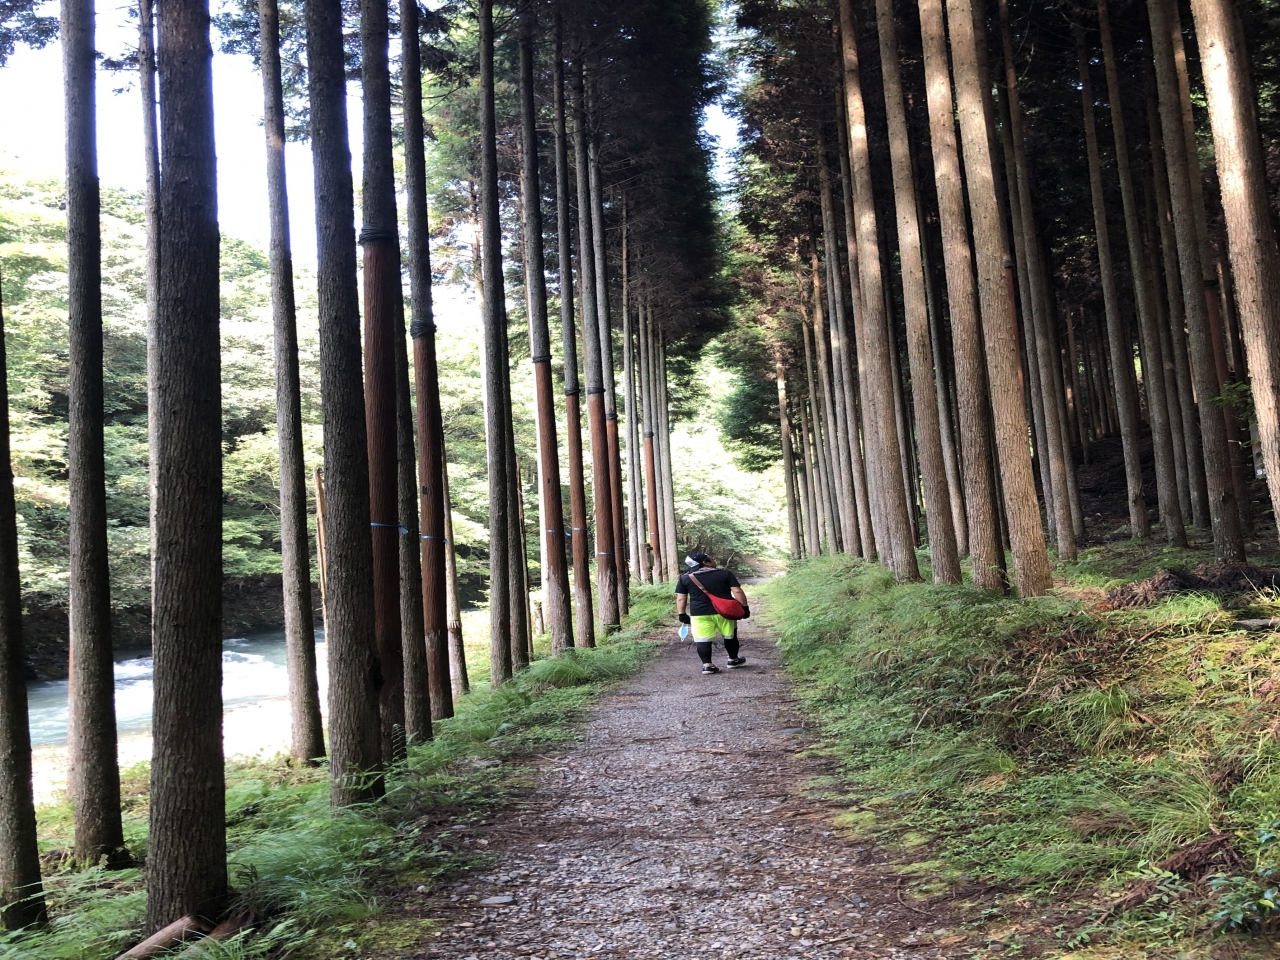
x=255, y=690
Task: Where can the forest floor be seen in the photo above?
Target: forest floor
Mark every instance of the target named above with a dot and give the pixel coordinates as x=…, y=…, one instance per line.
x=690, y=822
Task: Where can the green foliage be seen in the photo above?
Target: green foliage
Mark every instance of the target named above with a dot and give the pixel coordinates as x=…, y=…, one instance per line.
x=1044, y=742
x=21, y=25
x=1251, y=903
x=314, y=873
x=33, y=267
x=255, y=944
x=33, y=262
x=748, y=422
x=94, y=913
x=721, y=509
x=1238, y=396
x=317, y=869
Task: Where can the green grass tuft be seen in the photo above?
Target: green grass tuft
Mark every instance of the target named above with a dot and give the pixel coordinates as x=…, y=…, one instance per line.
x=315, y=874
x=1049, y=743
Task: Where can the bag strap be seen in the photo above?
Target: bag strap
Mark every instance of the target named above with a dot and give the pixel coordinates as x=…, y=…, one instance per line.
x=699, y=583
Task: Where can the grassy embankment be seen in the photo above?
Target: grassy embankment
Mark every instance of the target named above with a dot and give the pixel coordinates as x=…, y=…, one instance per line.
x=320, y=881
x=1082, y=777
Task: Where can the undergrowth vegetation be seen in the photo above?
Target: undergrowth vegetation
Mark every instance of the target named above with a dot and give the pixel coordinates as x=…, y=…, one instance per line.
x=318, y=880
x=1122, y=761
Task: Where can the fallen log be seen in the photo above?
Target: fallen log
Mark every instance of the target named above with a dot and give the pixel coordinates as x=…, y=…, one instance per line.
x=167, y=937
x=223, y=931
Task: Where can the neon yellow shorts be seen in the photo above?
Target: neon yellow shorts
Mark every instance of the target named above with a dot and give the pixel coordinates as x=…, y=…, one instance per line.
x=707, y=628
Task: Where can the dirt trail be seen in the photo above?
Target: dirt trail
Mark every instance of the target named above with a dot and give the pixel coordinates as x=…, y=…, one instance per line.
x=681, y=828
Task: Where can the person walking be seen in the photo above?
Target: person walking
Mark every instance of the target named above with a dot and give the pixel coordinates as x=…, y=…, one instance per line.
x=694, y=607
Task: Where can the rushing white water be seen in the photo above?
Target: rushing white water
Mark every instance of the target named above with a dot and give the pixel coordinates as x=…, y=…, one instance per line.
x=253, y=670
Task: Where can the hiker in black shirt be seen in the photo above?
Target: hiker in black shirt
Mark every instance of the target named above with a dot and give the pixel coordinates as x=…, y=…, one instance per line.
x=693, y=608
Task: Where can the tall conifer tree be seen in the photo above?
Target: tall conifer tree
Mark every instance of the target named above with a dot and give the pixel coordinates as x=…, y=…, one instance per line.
x=355, y=751
x=21, y=895
x=306, y=741
x=93, y=772
x=186, y=844
x=382, y=306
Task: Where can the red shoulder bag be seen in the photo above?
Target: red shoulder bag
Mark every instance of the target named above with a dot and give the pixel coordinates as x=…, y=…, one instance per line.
x=730, y=609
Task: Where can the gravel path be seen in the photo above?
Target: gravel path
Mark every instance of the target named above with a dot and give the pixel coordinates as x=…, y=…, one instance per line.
x=681, y=828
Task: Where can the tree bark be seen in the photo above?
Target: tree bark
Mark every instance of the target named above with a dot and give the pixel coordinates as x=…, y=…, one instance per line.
x=663, y=508
x=186, y=844
x=784, y=424
x=833, y=421
x=604, y=316
x=1224, y=514
x=584, y=621
x=355, y=752
x=820, y=451
x=984, y=543
x=1077, y=396
x=1153, y=374
x=521, y=641
x=845, y=431
x=945, y=562
x=635, y=518
x=1060, y=391
x=851, y=353
x=1251, y=238
x=813, y=539
x=906, y=446
x=667, y=548
x=650, y=464
x=494, y=315
x=382, y=302
x=1032, y=575
x=459, y=681
x=306, y=728
x=672, y=552
x=875, y=536
x=555, y=578
x=1160, y=317
x=93, y=776
x=21, y=893
x=593, y=369
x=439, y=581
x=1038, y=316
x=1162, y=218
x=151, y=218
x=1212, y=291
x=631, y=411
x=950, y=454
x=1122, y=375
x=322, y=555
x=417, y=682
x=1036, y=394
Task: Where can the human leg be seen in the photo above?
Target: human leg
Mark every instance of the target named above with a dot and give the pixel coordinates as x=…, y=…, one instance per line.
x=730, y=633
x=704, y=632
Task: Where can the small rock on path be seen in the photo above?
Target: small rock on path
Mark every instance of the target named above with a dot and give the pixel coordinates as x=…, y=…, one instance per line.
x=681, y=828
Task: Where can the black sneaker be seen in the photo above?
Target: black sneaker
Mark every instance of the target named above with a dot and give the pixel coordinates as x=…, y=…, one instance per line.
x=735, y=662
x=708, y=668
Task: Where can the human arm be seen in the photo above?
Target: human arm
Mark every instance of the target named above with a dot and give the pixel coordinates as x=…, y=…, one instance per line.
x=739, y=594
x=682, y=603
